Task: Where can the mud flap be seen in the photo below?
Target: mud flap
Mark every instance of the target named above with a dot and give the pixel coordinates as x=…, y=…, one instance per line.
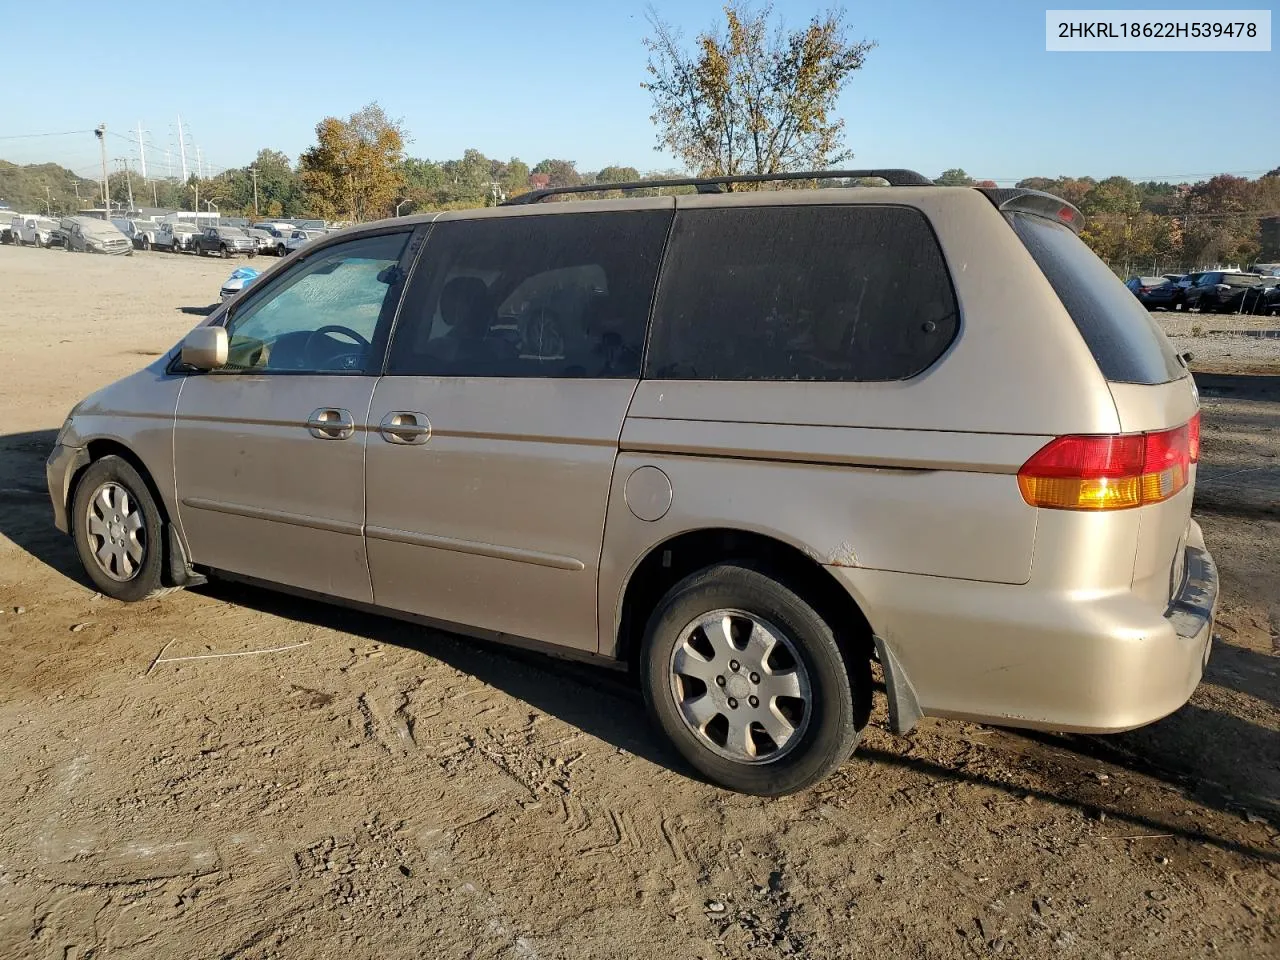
x=904, y=708
x=178, y=570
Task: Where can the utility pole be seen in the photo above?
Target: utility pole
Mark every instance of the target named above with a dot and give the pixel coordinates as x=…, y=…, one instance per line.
x=155, y=198
x=48, y=203
x=101, y=131
x=124, y=162
x=182, y=149
x=254, y=171
x=199, y=163
x=142, y=153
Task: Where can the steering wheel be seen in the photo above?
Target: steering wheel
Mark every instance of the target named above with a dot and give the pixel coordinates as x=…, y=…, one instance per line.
x=326, y=330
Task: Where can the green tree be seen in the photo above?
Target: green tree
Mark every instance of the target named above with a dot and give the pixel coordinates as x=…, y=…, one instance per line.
x=354, y=171
x=617, y=175
x=1113, y=195
x=955, y=177
x=752, y=97
x=563, y=173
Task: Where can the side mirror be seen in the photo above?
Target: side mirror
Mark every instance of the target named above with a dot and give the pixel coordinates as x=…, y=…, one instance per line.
x=205, y=348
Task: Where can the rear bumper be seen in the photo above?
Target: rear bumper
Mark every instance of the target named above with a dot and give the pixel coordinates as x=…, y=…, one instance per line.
x=1052, y=660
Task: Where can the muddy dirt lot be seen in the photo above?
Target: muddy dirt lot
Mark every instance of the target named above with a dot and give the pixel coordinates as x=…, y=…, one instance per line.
x=387, y=791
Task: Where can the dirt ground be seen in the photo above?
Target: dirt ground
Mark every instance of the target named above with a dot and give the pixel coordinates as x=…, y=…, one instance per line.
x=381, y=790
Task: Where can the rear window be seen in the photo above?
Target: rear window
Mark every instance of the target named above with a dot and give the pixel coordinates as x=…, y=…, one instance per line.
x=1121, y=334
x=817, y=293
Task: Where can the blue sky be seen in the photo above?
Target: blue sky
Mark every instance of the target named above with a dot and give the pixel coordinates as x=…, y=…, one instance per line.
x=965, y=84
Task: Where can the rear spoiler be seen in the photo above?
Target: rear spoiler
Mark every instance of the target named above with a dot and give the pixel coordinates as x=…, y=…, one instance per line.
x=1037, y=203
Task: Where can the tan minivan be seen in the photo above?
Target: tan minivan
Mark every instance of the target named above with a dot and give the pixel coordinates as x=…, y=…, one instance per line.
x=743, y=443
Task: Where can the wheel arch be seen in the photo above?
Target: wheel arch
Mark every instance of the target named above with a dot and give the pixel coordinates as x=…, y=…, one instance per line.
x=178, y=570
x=671, y=560
x=101, y=447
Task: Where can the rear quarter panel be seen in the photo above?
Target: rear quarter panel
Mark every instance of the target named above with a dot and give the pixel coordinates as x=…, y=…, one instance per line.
x=916, y=476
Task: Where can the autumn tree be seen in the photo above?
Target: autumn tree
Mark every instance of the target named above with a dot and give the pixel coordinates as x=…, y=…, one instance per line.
x=751, y=96
x=354, y=170
x=563, y=173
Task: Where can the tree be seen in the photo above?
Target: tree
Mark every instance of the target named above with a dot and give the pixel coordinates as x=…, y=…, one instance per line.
x=354, y=170
x=955, y=177
x=617, y=175
x=1112, y=195
x=563, y=173
x=752, y=98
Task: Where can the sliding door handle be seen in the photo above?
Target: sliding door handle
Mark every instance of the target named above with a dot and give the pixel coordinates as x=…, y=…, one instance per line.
x=405, y=426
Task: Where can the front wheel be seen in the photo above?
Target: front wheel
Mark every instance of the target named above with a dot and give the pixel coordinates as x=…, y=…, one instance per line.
x=225, y=251
x=146, y=244
x=116, y=525
x=750, y=683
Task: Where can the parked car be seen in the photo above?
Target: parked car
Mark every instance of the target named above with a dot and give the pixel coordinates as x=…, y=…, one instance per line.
x=226, y=242
x=1155, y=292
x=175, y=236
x=83, y=234
x=998, y=510
x=34, y=231
x=240, y=278
x=279, y=244
x=265, y=241
x=141, y=233
x=300, y=238
x=1220, y=291
x=1263, y=299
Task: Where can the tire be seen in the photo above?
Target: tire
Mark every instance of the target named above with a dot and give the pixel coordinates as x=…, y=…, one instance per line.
x=225, y=251
x=129, y=530
x=280, y=251
x=807, y=659
x=146, y=244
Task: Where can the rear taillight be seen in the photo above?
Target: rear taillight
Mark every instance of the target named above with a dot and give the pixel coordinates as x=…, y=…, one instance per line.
x=1111, y=472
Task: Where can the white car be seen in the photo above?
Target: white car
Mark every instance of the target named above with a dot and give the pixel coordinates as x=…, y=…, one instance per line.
x=35, y=231
x=300, y=238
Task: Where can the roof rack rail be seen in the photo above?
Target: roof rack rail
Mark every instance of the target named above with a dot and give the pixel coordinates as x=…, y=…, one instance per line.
x=895, y=177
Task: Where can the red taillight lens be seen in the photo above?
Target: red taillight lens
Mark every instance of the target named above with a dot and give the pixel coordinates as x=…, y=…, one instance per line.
x=1112, y=472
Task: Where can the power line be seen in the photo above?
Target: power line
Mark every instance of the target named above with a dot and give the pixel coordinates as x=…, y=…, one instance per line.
x=31, y=136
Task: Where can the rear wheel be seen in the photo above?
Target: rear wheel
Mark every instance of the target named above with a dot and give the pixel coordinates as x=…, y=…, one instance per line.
x=750, y=683
x=117, y=529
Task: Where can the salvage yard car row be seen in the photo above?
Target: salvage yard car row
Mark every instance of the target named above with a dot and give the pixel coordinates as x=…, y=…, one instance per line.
x=123, y=235
x=1213, y=291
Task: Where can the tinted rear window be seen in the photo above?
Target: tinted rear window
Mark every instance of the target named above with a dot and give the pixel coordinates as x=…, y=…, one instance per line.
x=1124, y=339
x=847, y=292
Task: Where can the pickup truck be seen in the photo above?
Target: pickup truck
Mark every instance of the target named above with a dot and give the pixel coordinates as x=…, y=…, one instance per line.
x=175, y=237
x=225, y=241
x=300, y=238
x=141, y=233
x=36, y=231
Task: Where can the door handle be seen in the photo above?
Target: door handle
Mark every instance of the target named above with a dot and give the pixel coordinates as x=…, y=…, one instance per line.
x=331, y=423
x=405, y=426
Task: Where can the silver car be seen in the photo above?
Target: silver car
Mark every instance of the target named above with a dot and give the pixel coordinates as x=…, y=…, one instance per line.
x=741, y=444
